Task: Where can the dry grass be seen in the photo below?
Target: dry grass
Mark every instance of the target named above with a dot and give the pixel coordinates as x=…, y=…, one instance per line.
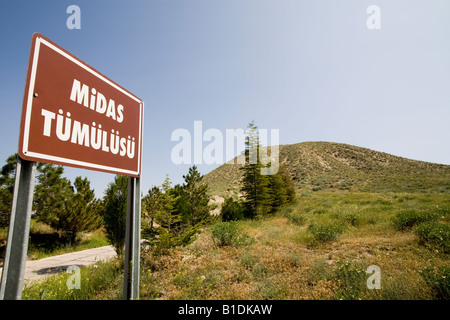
x=284, y=262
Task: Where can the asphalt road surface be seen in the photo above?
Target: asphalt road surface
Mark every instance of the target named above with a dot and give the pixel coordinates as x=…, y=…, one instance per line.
x=39, y=269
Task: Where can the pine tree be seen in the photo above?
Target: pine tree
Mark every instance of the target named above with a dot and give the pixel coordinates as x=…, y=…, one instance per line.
x=82, y=212
x=277, y=192
x=115, y=212
x=67, y=209
x=263, y=193
x=167, y=216
x=288, y=184
x=281, y=189
x=182, y=205
x=196, y=197
x=169, y=231
x=180, y=211
x=254, y=184
x=151, y=204
x=7, y=179
x=51, y=194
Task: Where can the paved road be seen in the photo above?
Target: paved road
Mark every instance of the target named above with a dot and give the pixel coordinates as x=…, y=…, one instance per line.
x=38, y=269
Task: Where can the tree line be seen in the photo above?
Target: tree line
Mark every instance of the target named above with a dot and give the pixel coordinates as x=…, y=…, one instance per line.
x=170, y=215
x=174, y=214
x=68, y=208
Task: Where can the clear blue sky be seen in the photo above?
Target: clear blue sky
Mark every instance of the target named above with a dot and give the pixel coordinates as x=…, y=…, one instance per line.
x=311, y=69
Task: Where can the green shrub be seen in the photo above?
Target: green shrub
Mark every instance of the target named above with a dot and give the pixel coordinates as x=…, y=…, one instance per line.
x=319, y=270
x=407, y=219
x=442, y=210
x=438, y=279
x=326, y=232
x=223, y=233
x=232, y=210
x=252, y=263
x=352, y=280
x=297, y=219
x=351, y=218
x=434, y=233
x=227, y=234
x=286, y=211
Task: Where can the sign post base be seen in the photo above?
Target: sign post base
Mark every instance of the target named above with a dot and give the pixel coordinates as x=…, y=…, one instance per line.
x=132, y=240
x=19, y=229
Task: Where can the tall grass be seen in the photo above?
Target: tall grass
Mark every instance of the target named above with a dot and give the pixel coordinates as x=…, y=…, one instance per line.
x=282, y=262
x=99, y=281
x=43, y=245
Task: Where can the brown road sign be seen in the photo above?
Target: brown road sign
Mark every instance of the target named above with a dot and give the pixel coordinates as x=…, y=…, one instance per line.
x=73, y=115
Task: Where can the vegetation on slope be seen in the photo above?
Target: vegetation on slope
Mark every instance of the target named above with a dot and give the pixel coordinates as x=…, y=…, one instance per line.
x=327, y=165
x=355, y=208
x=277, y=258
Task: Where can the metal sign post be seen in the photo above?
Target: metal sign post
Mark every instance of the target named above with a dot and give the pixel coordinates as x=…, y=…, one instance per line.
x=132, y=240
x=19, y=228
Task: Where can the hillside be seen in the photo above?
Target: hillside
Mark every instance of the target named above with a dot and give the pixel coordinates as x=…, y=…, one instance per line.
x=328, y=165
x=321, y=247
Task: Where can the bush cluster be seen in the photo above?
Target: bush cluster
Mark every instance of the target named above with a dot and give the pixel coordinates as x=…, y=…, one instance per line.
x=406, y=219
x=438, y=279
x=227, y=234
x=351, y=218
x=352, y=280
x=435, y=234
x=232, y=210
x=296, y=218
x=326, y=232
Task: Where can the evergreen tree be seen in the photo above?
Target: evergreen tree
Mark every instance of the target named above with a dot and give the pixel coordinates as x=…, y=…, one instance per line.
x=7, y=179
x=169, y=232
x=277, y=192
x=254, y=184
x=51, y=194
x=288, y=184
x=67, y=209
x=83, y=210
x=231, y=210
x=151, y=204
x=179, y=211
x=167, y=216
x=281, y=189
x=182, y=206
x=115, y=212
x=194, y=199
x=263, y=193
